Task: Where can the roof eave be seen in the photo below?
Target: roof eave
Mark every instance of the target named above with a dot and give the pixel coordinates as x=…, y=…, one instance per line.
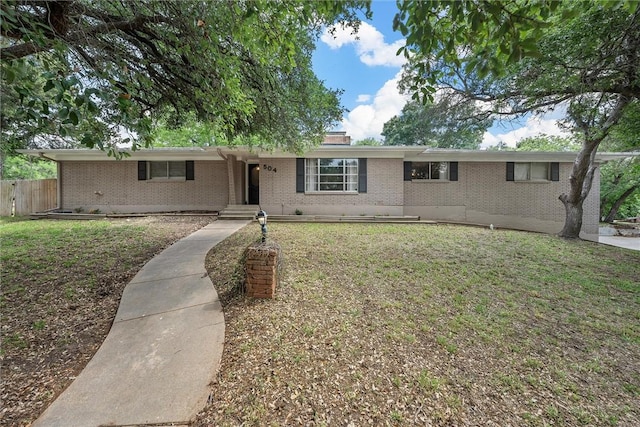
x=409, y=153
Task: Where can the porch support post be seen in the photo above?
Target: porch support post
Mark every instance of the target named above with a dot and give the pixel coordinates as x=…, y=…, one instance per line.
x=231, y=160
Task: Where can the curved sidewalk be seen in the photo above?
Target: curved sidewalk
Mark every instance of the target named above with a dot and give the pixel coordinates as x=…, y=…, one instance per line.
x=163, y=349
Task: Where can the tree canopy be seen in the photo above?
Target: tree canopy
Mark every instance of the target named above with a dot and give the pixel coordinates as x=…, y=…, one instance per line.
x=370, y=142
x=532, y=57
x=547, y=143
x=451, y=122
x=95, y=70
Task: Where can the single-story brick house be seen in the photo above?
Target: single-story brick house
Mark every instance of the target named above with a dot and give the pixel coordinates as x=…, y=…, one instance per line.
x=505, y=188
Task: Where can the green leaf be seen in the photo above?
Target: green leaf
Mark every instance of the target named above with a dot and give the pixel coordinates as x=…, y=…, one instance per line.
x=74, y=118
x=48, y=86
x=92, y=107
x=9, y=75
x=88, y=141
x=631, y=6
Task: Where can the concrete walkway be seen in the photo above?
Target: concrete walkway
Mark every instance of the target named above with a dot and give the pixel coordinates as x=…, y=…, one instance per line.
x=164, y=347
x=632, y=243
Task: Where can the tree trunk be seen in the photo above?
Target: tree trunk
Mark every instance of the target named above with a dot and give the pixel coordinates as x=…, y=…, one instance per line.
x=573, y=220
x=580, y=184
x=616, y=205
x=585, y=166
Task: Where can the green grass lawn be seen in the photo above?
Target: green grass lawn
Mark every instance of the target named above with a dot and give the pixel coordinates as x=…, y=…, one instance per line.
x=379, y=324
x=61, y=286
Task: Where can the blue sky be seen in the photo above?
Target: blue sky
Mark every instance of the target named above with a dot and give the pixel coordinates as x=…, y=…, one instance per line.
x=367, y=70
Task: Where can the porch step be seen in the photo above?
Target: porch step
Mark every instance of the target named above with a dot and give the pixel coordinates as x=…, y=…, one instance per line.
x=239, y=212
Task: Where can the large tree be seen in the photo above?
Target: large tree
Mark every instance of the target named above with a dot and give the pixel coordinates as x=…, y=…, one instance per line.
x=451, y=122
x=524, y=57
x=242, y=66
x=620, y=180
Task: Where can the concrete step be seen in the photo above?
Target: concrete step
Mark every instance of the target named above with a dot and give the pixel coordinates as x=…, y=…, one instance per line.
x=236, y=216
x=243, y=207
x=239, y=212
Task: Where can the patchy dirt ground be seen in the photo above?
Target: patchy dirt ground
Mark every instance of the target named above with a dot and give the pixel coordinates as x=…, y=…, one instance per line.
x=59, y=300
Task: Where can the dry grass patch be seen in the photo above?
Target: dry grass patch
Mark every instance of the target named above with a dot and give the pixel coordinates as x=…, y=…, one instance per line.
x=429, y=325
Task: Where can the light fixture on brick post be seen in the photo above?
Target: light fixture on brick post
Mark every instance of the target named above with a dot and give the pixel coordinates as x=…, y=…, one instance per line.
x=261, y=216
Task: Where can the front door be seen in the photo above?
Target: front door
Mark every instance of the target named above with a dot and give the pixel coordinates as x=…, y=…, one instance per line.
x=254, y=184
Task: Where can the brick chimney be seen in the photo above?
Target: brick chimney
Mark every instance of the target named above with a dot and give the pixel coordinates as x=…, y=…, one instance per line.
x=337, y=138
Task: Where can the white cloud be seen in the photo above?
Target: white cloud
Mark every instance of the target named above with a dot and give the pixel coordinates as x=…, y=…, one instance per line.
x=363, y=98
x=367, y=120
x=534, y=126
x=369, y=45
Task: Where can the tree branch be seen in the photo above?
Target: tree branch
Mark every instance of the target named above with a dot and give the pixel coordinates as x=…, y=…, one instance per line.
x=78, y=36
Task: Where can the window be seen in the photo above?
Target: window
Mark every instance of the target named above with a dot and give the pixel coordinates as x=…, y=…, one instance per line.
x=171, y=170
x=167, y=170
x=533, y=171
x=331, y=175
x=431, y=171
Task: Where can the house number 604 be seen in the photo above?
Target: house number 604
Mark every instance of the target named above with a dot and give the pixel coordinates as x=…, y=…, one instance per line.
x=269, y=168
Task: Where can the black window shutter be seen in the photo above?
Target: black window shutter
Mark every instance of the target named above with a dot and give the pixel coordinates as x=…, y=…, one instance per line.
x=453, y=171
x=362, y=175
x=190, y=170
x=299, y=175
x=142, y=170
x=510, y=171
x=407, y=171
x=555, y=171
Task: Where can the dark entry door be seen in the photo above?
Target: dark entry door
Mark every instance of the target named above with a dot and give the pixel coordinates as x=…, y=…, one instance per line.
x=254, y=184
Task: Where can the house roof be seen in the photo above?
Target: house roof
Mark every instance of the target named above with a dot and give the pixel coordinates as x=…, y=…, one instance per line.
x=409, y=153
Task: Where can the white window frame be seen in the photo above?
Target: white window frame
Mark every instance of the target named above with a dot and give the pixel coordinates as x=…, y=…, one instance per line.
x=317, y=179
x=531, y=171
x=442, y=175
x=170, y=173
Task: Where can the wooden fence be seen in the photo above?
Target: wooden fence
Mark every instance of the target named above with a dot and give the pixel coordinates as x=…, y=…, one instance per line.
x=23, y=197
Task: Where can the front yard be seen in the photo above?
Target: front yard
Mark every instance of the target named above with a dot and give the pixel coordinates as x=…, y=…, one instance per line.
x=372, y=324
x=429, y=325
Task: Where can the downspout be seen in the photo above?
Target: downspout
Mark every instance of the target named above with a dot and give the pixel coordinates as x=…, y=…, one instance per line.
x=59, y=183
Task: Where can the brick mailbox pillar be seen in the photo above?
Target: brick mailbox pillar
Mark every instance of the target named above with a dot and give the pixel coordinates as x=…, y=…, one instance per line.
x=261, y=267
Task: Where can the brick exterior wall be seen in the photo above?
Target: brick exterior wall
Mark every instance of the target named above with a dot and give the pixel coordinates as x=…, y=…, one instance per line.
x=384, y=194
x=113, y=186
x=483, y=195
